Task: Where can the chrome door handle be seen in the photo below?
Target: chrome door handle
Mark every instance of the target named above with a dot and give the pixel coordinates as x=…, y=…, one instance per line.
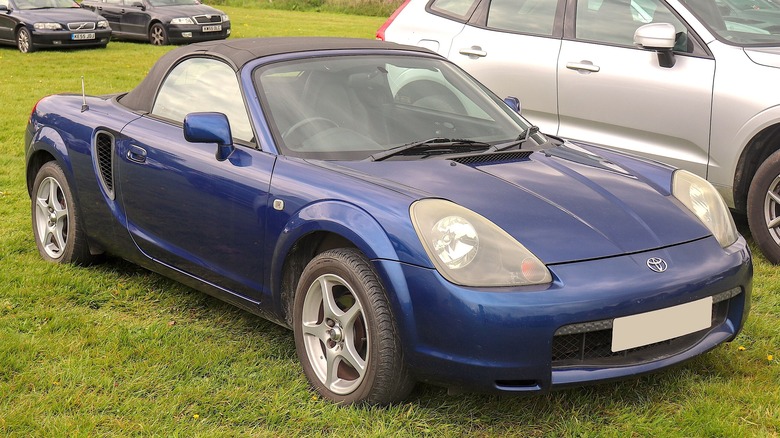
x=583, y=67
x=136, y=154
x=473, y=51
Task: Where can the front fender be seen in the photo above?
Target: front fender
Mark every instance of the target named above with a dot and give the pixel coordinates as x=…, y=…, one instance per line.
x=46, y=141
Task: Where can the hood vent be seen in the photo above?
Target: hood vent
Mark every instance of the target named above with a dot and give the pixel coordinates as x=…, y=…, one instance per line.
x=497, y=157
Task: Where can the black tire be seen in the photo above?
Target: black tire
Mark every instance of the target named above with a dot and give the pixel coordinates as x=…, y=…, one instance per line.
x=356, y=336
x=56, y=224
x=24, y=40
x=157, y=35
x=763, y=208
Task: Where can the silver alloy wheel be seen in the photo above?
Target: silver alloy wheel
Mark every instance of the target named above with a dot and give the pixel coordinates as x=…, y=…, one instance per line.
x=23, y=40
x=157, y=35
x=771, y=209
x=51, y=217
x=334, y=334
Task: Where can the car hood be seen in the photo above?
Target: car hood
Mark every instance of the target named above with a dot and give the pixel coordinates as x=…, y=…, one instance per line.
x=186, y=10
x=562, y=204
x=768, y=56
x=59, y=15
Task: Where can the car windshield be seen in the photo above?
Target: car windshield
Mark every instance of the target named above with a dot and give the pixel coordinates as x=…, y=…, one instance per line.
x=358, y=107
x=741, y=22
x=173, y=2
x=45, y=4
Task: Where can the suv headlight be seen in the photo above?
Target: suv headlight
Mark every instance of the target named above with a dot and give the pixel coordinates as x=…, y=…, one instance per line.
x=47, y=26
x=469, y=250
x=705, y=202
x=182, y=20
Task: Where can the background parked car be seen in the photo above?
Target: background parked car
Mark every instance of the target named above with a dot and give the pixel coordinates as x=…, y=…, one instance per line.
x=30, y=24
x=162, y=22
x=636, y=75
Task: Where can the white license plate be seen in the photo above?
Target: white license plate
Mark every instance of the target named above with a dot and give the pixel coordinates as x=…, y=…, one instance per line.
x=660, y=325
x=83, y=36
x=216, y=28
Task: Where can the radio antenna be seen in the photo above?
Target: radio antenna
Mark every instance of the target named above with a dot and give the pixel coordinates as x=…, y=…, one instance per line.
x=84, y=105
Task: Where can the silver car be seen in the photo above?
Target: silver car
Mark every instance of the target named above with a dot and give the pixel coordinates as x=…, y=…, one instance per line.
x=693, y=83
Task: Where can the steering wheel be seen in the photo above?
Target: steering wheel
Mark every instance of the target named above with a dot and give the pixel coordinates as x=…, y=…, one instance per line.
x=298, y=126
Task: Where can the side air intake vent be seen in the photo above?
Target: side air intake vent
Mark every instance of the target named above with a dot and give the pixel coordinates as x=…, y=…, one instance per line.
x=104, y=156
x=498, y=157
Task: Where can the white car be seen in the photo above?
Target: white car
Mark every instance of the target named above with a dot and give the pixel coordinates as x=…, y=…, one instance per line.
x=693, y=83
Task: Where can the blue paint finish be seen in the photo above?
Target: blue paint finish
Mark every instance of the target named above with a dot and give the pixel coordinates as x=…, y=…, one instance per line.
x=225, y=224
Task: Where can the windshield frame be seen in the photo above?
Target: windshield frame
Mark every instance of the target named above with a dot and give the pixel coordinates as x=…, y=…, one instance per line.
x=703, y=9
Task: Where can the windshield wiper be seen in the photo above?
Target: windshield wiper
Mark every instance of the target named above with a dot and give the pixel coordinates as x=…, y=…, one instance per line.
x=432, y=146
x=522, y=138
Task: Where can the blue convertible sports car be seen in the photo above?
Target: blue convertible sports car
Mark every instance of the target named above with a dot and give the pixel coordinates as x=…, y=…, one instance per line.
x=407, y=224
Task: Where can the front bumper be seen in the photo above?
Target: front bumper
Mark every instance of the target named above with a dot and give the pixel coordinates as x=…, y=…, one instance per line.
x=65, y=38
x=505, y=339
x=190, y=33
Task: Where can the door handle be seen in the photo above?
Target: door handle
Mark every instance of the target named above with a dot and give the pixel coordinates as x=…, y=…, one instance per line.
x=473, y=51
x=136, y=154
x=583, y=67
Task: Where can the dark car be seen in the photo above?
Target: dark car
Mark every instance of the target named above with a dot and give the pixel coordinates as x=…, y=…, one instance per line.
x=406, y=223
x=162, y=22
x=33, y=24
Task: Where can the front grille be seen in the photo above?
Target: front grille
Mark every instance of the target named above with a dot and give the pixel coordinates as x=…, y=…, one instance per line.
x=590, y=343
x=85, y=25
x=104, y=154
x=498, y=157
x=208, y=19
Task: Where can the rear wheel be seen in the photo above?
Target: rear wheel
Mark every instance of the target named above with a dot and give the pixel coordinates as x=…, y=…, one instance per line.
x=58, y=234
x=764, y=208
x=24, y=40
x=345, y=335
x=157, y=35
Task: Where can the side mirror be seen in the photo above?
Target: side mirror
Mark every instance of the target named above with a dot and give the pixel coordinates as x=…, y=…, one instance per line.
x=4, y=8
x=210, y=128
x=139, y=5
x=659, y=37
x=513, y=103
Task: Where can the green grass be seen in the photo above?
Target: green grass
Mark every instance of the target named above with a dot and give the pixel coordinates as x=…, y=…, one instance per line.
x=115, y=350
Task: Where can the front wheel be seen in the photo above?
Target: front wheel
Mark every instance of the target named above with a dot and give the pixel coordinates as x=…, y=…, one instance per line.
x=24, y=40
x=345, y=334
x=763, y=208
x=157, y=35
x=56, y=225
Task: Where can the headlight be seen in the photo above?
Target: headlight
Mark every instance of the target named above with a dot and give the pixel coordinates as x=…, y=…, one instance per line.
x=102, y=24
x=225, y=18
x=706, y=203
x=469, y=250
x=47, y=26
x=182, y=20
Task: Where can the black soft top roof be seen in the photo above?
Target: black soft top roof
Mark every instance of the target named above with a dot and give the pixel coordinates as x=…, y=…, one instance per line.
x=240, y=51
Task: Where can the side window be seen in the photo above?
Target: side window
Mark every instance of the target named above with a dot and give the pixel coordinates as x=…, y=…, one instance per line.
x=202, y=84
x=615, y=21
x=525, y=16
x=457, y=9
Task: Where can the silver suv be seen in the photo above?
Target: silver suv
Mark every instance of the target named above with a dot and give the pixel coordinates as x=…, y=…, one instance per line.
x=693, y=83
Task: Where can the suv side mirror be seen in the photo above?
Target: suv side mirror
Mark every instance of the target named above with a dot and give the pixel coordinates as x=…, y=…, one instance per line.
x=210, y=128
x=659, y=37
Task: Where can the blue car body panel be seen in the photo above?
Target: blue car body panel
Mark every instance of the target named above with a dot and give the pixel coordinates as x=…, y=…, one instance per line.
x=593, y=217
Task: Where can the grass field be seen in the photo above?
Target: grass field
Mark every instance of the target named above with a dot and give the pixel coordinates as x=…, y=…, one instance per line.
x=115, y=350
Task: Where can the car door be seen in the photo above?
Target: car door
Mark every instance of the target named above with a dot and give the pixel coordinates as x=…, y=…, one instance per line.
x=185, y=208
x=512, y=47
x=109, y=9
x=7, y=23
x=615, y=94
x=135, y=17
